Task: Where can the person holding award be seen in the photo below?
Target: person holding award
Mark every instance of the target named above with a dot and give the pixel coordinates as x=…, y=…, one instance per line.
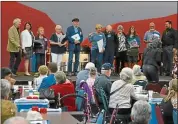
x=98, y=41
x=75, y=37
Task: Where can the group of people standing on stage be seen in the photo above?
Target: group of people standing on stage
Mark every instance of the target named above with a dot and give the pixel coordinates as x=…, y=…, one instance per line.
x=124, y=47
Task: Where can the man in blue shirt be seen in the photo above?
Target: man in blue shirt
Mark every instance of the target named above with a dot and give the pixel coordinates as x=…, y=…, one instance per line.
x=151, y=34
x=75, y=38
x=50, y=80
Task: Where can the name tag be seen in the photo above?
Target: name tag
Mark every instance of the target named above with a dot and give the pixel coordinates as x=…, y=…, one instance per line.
x=109, y=35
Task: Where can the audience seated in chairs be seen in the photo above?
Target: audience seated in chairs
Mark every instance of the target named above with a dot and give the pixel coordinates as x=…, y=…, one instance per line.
x=170, y=102
x=43, y=71
x=137, y=74
x=64, y=87
x=8, y=109
x=122, y=91
x=50, y=80
x=16, y=120
x=83, y=74
x=141, y=112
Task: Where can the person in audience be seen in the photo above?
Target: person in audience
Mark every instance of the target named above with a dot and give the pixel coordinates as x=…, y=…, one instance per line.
x=14, y=46
x=141, y=112
x=64, y=87
x=40, y=50
x=96, y=51
x=175, y=68
x=75, y=37
x=58, y=43
x=123, y=96
x=133, y=46
x=91, y=80
x=50, y=80
x=170, y=102
x=151, y=34
x=137, y=74
x=169, y=43
x=152, y=61
x=27, y=38
x=111, y=41
x=83, y=74
x=121, y=52
x=7, y=74
x=34, y=116
x=103, y=81
x=8, y=108
x=43, y=71
x=16, y=120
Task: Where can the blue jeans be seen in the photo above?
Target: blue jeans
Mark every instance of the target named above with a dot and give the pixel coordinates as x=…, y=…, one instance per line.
x=70, y=60
x=109, y=57
x=97, y=58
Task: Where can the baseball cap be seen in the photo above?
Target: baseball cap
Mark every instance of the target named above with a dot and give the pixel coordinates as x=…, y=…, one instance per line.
x=106, y=66
x=75, y=20
x=4, y=72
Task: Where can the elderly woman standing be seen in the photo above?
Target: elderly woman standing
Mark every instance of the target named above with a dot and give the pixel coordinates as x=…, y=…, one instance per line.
x=141, y=112
x=8, y=109
x=170, y=102
x=96, y=52
x=58, y=43
x=137, y=74
x=27, y=38
x=40, y=51
x=123, y=96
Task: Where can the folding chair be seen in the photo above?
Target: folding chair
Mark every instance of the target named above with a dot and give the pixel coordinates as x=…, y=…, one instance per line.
x=101, y=117
x=142, y=83
x=175, y=116
x=159, y=115
x=153, y=86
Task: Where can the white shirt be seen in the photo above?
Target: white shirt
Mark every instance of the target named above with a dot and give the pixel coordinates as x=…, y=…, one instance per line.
x=39, y=80
x=26, y=39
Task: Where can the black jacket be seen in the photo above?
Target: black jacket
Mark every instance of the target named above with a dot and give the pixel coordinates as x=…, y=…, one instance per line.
x=111, y=41
x=170, y=38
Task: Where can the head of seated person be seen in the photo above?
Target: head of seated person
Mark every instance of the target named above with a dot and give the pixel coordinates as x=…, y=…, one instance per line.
x=106, y=69
x=8, y=109
x=60, y=77
x=137, y=74
x=141, y=112
x=43, y=70
x=16, y=120
x=126, y=74
x=34, y=116
x=52, y=68
x=7, y=74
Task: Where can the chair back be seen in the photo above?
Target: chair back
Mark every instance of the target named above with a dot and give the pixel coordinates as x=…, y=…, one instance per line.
x=104, y=99
x=85, y=87
x=79, y=101
x=95, y=97
x=142, y=83
x=101, y=117
x=175, y=116
x=159, y=115
x=153, y=86
x=114, y=115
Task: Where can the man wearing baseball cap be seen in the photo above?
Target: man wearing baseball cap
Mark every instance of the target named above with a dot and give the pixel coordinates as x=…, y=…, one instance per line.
x=103, y=81
x=75, y=37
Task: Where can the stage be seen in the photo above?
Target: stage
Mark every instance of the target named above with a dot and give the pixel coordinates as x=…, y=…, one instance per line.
x=23, y=80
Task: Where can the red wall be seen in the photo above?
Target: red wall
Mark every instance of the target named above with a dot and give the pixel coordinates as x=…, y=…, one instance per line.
x=12, y=10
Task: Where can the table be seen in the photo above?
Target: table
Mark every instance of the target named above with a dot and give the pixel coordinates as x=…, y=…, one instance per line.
x=56, y=118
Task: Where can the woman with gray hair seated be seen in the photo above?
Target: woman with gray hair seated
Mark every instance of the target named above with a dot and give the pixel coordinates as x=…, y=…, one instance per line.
x=141, y=112
x=8, y=109
x=137, y=74
x=122, y=91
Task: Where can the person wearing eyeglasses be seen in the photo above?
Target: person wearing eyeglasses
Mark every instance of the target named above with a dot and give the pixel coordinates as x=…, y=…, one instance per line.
x=151, y=34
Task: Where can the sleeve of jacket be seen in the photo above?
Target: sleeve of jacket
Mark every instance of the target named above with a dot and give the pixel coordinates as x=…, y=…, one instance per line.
x=116, y=44
x=68, y=34
x=138, y=40
x=104, y=41
x=81, y=36
x=176, y=39
x=23, y=39
x=108, y=88
x=12, y=38
x=158, y=56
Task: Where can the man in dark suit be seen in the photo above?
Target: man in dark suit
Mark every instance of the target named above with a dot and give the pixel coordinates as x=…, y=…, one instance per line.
x=75, y=37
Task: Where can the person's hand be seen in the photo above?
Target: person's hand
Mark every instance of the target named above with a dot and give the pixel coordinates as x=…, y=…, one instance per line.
x=174, y=50
x=76, y=41
x=12, y=81
x=19, y=47
x=59, y=44
x=102, y=50
x=90, y=33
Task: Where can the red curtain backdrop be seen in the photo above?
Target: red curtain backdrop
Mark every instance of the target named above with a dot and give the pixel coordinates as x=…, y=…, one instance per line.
x=38, y=18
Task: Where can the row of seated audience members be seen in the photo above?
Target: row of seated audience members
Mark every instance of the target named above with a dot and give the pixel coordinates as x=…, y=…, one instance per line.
x=51, y=78
x=125, y=47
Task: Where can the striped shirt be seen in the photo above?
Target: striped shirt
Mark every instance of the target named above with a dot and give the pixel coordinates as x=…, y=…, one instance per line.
x=123, y=96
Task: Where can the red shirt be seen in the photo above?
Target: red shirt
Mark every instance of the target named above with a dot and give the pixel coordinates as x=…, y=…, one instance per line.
x=64, y=89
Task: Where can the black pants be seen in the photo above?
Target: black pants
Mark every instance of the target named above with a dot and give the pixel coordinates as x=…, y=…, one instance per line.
x=121, y=58
x=15, y=59
x=109, y=57
x=40, y=60
x=122, y=111
x=151, y=73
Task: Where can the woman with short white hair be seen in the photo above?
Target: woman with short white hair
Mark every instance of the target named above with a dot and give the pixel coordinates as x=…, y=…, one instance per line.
x=137, y=74
x=58, y=43
x=122, y=91
x=141, y=112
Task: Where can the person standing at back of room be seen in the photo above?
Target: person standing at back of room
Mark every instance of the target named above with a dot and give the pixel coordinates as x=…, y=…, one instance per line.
x=75, y=37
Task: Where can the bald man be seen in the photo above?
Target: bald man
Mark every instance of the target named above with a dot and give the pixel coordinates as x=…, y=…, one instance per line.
x=151, y=34
x=110, y=45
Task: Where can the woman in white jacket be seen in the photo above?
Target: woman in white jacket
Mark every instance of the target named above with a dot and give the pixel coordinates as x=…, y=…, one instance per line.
x=27, y=38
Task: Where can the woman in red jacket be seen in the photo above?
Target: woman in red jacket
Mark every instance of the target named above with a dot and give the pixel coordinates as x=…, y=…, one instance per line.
x=64, y=87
